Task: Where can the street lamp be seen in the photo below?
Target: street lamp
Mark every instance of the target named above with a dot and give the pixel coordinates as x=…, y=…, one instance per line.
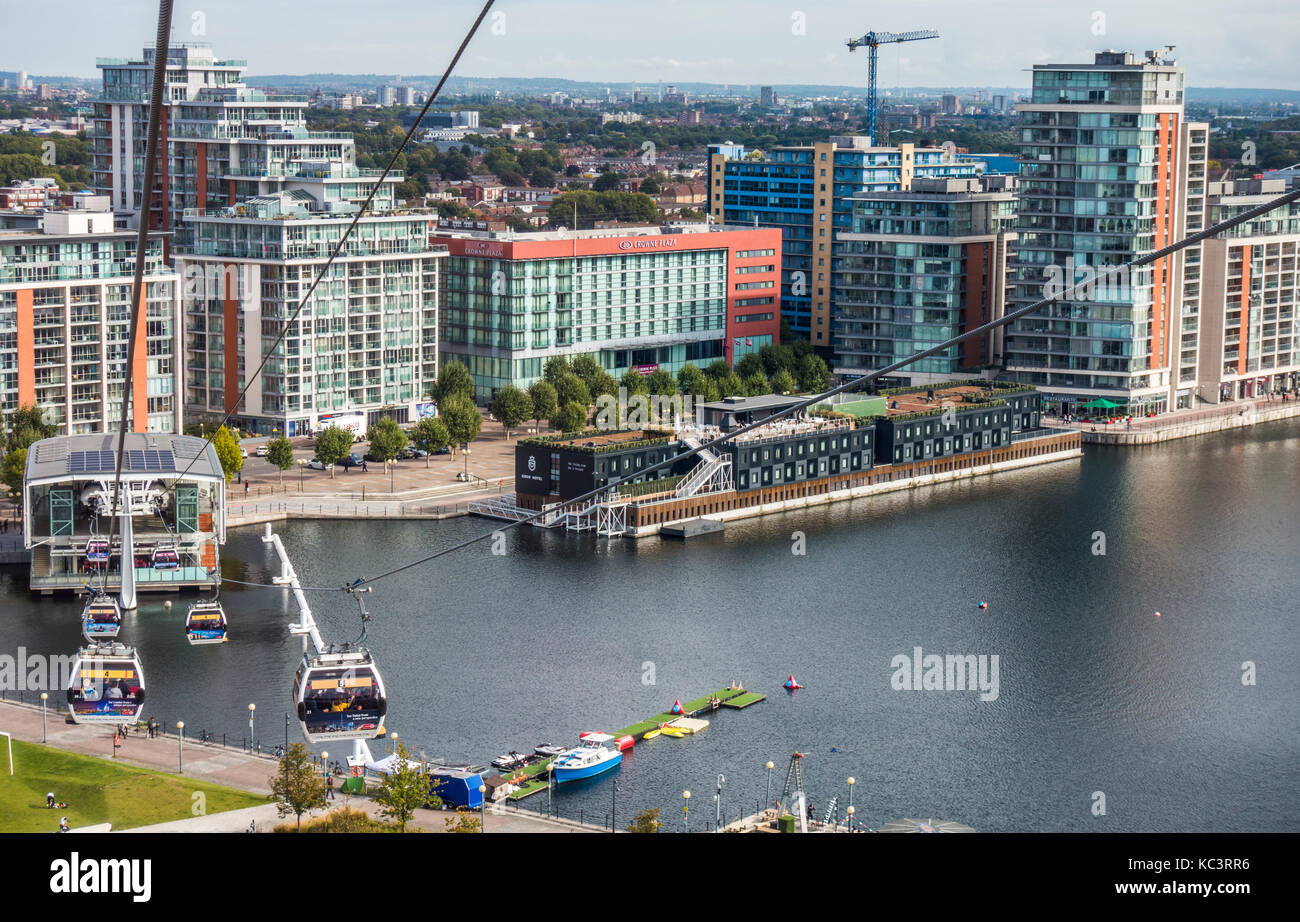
x=482, y=808
x=302, y=469
x=44, y=697
x=550, y=777
x=686, y=811
x=717, y=810
x=852, y=781
x=180, y=747
x=613, y=807
x=251, y=709
x=770, y=765
x=850, y=813
x=467, y=462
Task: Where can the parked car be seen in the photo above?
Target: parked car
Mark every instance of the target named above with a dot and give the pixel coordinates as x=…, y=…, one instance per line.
x=243, y=452
x=316, y=464
x=261, y=451
x=444, y=450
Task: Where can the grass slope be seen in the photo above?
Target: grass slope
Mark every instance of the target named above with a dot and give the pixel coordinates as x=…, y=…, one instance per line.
x=98, y=791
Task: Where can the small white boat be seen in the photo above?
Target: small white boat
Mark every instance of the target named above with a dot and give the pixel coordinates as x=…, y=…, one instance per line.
x=547, y=752
x=595, y=754
x=510, y=760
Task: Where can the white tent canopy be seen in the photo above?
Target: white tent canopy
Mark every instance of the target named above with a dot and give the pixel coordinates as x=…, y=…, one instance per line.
x=390, y=764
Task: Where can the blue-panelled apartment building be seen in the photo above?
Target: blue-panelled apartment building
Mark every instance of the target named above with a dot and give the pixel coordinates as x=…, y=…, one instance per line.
x=807, y=192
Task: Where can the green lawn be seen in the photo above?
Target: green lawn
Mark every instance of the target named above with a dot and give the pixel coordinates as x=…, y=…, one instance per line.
x=98, y=791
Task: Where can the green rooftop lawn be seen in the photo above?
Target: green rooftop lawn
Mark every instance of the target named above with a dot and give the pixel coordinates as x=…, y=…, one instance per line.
x=99, y=791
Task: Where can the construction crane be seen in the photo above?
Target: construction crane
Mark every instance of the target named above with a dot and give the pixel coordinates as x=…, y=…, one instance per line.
x=873, y=41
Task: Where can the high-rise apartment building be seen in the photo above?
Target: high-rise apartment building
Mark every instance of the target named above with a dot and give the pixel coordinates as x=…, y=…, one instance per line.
x=365, y=344
x=1110, y=170
x=807, y=192
x=224, y=141
x=919, y=267
x=65, y=316
x=1250, y=345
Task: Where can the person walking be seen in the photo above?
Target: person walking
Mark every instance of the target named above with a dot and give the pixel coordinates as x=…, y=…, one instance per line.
x=329, y=787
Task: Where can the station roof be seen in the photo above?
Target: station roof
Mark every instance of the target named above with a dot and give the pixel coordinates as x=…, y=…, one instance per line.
x=149, y=454
x=772, y=402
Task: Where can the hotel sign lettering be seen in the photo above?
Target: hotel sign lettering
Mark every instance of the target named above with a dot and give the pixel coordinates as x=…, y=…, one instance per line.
x=648, y=243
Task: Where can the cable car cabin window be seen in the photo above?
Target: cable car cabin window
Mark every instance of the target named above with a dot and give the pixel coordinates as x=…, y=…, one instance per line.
x=341, y=700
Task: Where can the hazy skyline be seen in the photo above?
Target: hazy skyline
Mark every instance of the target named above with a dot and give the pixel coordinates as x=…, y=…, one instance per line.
x=759, y=42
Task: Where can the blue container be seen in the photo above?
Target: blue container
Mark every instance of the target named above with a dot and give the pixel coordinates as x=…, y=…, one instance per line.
x=456, y=788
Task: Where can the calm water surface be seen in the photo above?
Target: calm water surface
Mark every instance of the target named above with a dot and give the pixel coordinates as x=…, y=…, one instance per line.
x=486, y=653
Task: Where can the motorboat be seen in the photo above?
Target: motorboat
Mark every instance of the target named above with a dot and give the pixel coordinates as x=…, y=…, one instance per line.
x=510, y=760
x=548, y=751
x=594, y=755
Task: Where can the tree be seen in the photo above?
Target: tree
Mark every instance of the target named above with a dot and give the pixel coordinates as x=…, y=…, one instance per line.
x=646, y=821
x=602, y=383
x=453, y=379
x=386, y=438
x=661, y=382
x=572, y=417
x=750, y=364
x=462, y=419
x=404, y=790
x=297, y=787
x=228, y=453
x=605, y=182
x=586, y=367
x=783, y=382
x=24, y=426
x=649, y=186
x=463, y=821
x=813, y=373
x=430, y=434
x=570, y=389
x=541, y=177
x=511, y=406
x=756, y=385
x=12, y=469
x=333, y=444
x=634, y=382
x=691, y=380
x=718, y=370
x=279, y=452
x=732, y=385
x=556, y=367
x=544, y=400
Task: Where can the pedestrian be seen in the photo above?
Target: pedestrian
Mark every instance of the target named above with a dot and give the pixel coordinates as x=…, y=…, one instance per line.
x=329, y=787
x=246, y=487
x=363, y=466
x=50, y=800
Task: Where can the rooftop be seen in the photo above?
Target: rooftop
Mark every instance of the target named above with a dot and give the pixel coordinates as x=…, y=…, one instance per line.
x=647, y=230
x=154, y=455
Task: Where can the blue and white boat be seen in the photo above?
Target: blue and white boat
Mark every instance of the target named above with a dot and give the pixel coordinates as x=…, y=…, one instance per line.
x=595, y=754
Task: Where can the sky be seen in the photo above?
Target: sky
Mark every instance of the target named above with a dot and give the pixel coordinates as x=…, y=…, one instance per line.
x=1250, y=43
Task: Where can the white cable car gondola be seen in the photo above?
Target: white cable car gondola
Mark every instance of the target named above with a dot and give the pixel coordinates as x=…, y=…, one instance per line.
x=205, y=622
x=96, y=553
x=340, y=695
x=107, y=685
x=101, y=619
x=165, y=558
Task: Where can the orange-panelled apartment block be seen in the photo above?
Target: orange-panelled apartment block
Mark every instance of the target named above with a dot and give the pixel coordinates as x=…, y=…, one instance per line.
x=65, y=312
x=1110, y=170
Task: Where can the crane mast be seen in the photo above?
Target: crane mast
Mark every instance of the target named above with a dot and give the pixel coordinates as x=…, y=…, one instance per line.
x=872, y=42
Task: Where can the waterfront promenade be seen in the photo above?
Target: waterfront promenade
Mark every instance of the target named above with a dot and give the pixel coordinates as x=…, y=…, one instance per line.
x=226, y=766
x=1182, y=424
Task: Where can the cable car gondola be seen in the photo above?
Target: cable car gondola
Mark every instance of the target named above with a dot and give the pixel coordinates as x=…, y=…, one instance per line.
x=101, y=619
x=165, y=558
x=340, y=695
x=205, y=622
x=107, y=685
x=96, y=553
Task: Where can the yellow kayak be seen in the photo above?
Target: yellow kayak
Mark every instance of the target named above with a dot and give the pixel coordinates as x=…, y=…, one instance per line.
x=651, y=734
x=676, y=732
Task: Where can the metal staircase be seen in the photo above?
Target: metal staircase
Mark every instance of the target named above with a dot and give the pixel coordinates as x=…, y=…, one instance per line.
x=712, y=474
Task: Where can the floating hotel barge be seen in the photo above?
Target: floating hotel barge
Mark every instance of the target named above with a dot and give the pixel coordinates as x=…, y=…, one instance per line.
x=903, y=438
x=68, y=497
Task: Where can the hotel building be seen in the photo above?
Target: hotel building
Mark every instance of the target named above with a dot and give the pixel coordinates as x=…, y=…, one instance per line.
x=640, y=297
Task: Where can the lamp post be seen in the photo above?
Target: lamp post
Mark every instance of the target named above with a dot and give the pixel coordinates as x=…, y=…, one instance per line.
x=613, y=807
x=467, y=462
x=686, y=811
x=324, y=764
x=770, y=765
x=849, y=811
x=482, y=808
x=251, y=709
x=852, y=781
x=550, y=777
x=44, y=697
x=717, y=810
x=180, y=747
x=302, y=469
